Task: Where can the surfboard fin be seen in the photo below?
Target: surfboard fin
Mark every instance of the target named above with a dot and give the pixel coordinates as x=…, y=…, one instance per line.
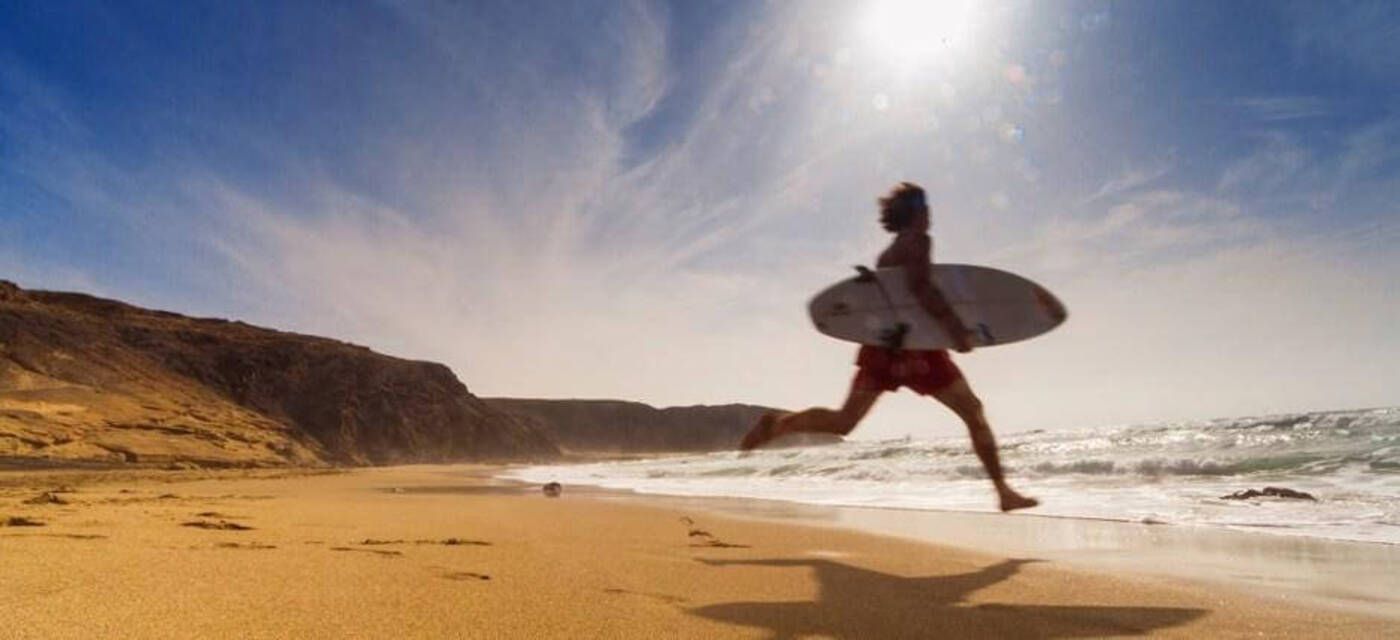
x=893, y=338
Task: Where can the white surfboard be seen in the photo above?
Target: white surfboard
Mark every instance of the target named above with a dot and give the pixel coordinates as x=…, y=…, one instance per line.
x=877, y=308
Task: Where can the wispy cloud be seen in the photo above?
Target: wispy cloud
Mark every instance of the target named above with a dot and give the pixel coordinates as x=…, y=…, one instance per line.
x=1272, y=165
x=487, y=202
x=1137, y=231
x=1130, y=181
x=1283, y=108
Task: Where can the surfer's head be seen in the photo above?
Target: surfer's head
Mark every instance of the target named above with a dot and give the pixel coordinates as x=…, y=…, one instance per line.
x=904, y=208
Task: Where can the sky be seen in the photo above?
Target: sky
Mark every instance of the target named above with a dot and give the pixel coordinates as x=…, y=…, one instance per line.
x=636, y=200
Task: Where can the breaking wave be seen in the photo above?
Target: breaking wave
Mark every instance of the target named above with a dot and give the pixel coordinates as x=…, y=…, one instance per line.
x=1172, y=472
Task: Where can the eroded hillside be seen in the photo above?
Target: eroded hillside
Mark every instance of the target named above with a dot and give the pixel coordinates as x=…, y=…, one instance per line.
x=83, y=379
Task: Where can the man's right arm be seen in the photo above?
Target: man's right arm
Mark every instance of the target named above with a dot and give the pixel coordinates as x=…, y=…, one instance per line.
x=916, y=277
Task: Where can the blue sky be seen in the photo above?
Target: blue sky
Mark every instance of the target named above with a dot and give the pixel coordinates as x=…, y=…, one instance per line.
x=634, y=200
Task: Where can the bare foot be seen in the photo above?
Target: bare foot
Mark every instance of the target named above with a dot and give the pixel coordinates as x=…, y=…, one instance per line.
x=761, y=432
x=1011, y=501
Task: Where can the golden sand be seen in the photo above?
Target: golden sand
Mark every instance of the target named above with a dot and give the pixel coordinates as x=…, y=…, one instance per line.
x=392, y=553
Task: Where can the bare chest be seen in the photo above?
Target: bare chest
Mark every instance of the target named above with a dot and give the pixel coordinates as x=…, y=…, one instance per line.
x=901, y=252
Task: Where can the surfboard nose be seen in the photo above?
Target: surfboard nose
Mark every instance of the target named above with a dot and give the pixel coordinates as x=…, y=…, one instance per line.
x=1051, y=305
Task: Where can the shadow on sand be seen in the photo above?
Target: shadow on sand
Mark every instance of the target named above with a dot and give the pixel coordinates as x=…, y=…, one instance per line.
x=860, y=603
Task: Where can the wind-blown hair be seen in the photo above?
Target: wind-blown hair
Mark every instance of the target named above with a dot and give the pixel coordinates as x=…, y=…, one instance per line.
x=899, y=207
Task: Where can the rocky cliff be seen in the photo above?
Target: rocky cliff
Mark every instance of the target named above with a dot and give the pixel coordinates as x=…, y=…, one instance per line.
x=84, y=379
x=616, y=426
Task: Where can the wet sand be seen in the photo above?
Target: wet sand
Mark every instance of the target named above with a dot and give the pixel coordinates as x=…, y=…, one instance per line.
x=1351, y=576
x=428, y=552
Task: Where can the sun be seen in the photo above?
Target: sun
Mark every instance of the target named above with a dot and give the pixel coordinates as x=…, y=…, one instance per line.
x=918, y=31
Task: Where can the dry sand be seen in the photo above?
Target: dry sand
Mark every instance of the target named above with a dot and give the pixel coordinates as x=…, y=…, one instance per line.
x=394, y=552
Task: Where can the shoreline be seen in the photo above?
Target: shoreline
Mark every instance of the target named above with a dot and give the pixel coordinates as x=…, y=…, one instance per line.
x=1358, y=577
x=441, y=551
x=1345, y=575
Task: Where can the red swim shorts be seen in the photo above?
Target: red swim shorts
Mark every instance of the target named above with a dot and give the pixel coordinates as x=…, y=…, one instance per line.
x=924, y=372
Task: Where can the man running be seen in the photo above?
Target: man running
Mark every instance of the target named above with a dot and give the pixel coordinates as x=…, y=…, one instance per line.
x=904, y=212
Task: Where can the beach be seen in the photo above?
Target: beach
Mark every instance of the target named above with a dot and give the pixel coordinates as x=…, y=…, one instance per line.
x=444, y=551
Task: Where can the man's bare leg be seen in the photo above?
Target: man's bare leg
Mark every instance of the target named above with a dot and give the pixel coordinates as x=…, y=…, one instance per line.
x=959, y=397
x=815, y=420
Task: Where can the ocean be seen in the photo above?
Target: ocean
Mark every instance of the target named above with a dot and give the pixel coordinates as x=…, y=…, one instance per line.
x=1170, y=473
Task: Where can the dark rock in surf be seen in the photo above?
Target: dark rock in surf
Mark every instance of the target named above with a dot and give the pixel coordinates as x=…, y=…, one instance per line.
x=1270, y=492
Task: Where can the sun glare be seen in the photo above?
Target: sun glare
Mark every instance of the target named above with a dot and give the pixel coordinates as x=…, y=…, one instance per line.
x=918, y=31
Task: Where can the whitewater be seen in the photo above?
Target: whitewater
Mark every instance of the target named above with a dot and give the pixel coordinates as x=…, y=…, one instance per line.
x=1170, y=473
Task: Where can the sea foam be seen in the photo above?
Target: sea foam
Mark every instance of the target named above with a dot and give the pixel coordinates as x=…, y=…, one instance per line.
x=1173, y=473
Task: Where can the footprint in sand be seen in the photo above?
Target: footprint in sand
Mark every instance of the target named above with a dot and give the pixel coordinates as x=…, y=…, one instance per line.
x=221, y=525
x=47, y=497
x=21, y=521
x=703, y=538
x=719, y=544
x=464, y=575
x=70, y=536
x=373, y=541
x=668, y=599
x=239, y=545
x=451, y=542
x=382, y=552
